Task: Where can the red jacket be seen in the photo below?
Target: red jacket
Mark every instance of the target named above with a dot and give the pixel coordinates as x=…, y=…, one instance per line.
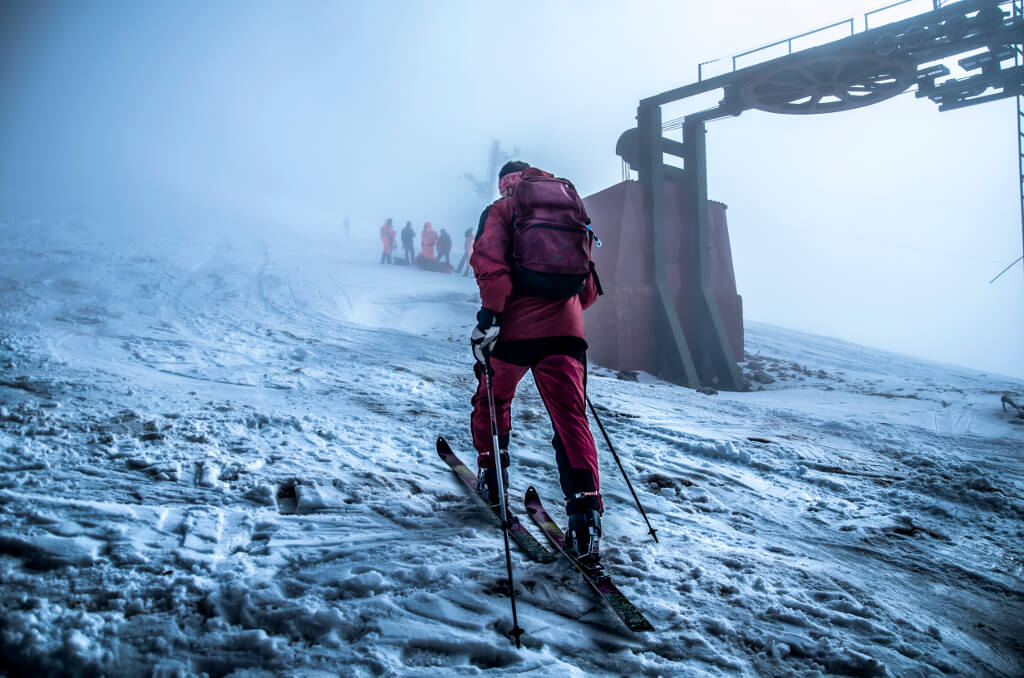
x=522, y=317
x=387, y=237
x=428, y=239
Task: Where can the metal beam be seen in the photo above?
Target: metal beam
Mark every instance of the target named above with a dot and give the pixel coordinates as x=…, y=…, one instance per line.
x=715, y=360
x=675, y=361
x=865, y=40
x=673, y=147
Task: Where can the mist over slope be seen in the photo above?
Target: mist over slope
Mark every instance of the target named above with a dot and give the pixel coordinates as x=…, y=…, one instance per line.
x=216, y=456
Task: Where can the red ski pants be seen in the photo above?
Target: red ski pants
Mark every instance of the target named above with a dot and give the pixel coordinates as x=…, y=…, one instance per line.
x=560, y=380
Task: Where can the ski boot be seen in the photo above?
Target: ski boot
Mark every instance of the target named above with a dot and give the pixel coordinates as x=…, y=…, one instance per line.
x=583, y=534
x=486, y=479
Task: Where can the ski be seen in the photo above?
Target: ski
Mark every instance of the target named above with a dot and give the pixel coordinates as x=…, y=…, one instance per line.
x=516, y=528
x=593, y=573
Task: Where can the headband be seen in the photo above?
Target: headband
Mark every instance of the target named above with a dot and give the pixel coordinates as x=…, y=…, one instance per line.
x=508, y=181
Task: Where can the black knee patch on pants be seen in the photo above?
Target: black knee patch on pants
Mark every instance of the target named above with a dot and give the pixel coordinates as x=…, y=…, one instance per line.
x=575, y=481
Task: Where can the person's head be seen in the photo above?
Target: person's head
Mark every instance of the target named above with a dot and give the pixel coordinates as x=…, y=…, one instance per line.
x=469, y=232
x=389, y=221
x=408, y=224
x=509, y=176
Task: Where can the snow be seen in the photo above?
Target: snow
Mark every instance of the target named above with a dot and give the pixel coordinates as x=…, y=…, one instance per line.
x=217, y=457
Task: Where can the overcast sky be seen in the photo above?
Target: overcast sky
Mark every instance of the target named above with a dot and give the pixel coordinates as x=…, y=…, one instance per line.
x=881, y=225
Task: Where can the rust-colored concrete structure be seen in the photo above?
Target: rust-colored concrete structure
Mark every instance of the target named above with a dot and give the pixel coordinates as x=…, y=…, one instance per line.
x=620, y=327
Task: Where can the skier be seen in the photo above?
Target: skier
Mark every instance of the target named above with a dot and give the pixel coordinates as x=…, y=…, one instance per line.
x=522, y=327
x=408, y=233
x=468, y=251
x=387, y=238
x=444, y=248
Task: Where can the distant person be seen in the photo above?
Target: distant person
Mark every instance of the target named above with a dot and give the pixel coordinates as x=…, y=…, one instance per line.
x=444, y=248
x=465, y=255
x=531, y=319
x=428, y=241
x=408, y=235
x=387, y=239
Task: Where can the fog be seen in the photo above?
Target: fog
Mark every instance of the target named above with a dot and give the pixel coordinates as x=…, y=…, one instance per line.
x=881, y=225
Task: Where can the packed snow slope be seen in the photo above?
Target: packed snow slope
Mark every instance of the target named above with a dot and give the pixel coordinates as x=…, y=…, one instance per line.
x=217, y=457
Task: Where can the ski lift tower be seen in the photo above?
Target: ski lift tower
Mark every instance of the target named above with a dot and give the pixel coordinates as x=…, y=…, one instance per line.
x=487, y=187
x=866, y=67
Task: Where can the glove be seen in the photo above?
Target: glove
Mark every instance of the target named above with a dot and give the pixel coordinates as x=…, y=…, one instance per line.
x=484, y=335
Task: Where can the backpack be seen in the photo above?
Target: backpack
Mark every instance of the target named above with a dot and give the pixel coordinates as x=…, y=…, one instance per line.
x=551, y=238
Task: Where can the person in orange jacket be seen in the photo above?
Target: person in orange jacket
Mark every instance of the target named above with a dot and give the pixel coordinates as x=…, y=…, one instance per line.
x=387, y=239
x=429, y=240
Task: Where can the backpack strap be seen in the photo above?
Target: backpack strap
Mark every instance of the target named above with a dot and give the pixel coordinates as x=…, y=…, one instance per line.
x=597, y=280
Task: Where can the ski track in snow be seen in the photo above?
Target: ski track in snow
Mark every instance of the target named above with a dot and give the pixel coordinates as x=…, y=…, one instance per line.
x=217, y=457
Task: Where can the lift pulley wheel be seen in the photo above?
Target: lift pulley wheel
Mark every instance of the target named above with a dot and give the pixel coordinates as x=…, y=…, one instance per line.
x=827, y=83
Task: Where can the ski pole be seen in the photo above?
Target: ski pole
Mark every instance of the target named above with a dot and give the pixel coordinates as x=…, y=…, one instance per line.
x=516, y=631
x=611, y=447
